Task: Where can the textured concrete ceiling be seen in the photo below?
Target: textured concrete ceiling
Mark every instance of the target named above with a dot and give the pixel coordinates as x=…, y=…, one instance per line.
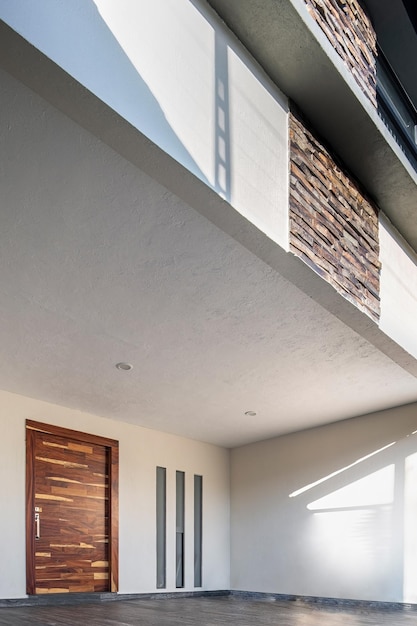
x=101, y=264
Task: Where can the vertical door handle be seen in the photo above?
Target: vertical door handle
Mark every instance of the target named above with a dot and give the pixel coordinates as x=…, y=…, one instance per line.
x=37, y=526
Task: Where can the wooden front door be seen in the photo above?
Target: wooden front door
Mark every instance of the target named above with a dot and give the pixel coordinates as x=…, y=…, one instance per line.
x=71, y=511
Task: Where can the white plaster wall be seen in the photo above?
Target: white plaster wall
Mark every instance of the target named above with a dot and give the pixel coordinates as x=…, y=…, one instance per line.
x=398, y=288
x=330, y=511
x=141, y=450
x=175, y=72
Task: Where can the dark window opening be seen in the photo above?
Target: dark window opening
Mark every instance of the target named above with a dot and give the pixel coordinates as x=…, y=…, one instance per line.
x=198, y=529
x=396, y=109
x=179, y=537
x=160, y=527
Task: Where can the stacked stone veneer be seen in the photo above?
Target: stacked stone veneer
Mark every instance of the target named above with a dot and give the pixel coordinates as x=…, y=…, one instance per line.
x=351, y=34
x=333, y=226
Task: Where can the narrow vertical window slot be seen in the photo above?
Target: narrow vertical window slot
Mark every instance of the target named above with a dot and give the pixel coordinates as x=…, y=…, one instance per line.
x=180, y=508
x=160, y=527
x=198, y=529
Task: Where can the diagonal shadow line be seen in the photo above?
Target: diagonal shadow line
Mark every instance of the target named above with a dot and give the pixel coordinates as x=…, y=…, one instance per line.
x=101, y=64
x=222, y=140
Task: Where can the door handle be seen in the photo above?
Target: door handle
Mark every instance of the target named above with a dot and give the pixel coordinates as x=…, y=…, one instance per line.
x=37, y=526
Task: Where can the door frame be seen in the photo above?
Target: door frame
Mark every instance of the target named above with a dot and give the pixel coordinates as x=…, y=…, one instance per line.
x=113, y=468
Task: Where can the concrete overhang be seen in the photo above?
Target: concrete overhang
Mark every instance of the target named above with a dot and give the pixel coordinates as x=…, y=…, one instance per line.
x=294, y=52
x=341, y=356
x=30, y=66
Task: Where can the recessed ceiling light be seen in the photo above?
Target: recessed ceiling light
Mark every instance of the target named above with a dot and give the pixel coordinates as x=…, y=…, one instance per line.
x=250, y=413
x=124, y=366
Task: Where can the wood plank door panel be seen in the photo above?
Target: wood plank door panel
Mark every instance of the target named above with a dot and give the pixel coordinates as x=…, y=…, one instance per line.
x=70, y=514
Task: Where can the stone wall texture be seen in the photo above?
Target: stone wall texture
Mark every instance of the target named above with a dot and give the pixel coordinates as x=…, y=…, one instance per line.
x=333, y=225
x=350, y=31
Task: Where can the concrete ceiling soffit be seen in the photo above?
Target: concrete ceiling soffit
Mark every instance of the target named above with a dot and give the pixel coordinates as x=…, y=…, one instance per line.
x=40, y=74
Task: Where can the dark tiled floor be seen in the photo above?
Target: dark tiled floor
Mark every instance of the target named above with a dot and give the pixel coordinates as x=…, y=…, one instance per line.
x=203, y=612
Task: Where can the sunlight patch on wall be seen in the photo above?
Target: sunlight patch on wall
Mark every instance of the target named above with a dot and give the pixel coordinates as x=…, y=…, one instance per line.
x=339, y=471
x=353, y=528
x=356, y=542
x=372, y=490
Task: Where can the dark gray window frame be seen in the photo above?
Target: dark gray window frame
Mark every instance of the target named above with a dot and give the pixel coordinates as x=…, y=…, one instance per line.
x=161, y=489
x=180, y=529
x=198, y=530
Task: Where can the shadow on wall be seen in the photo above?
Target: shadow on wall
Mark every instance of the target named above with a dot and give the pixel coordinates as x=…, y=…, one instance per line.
x=222, y=155
x=116, y=80
x=222, y=150
x=367, y=523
